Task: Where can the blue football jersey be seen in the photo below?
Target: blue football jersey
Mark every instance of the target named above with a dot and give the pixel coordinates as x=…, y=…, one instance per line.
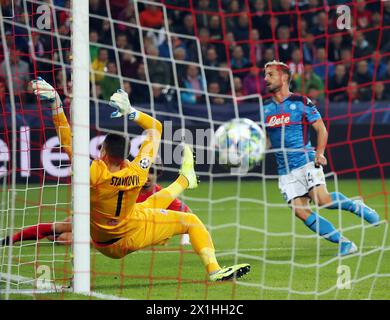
x=287, y=125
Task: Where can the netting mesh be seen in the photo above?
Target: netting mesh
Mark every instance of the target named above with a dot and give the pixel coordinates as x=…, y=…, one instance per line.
x=193, y=65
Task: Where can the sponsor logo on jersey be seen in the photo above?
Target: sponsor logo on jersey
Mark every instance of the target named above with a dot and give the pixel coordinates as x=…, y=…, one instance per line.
x=278, y=120
x=125, y=181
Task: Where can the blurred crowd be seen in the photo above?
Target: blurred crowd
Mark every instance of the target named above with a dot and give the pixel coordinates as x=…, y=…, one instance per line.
x=327, y=62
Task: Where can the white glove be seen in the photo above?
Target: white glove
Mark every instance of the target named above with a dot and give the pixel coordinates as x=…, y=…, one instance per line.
x=44, y=90
x=120, y=101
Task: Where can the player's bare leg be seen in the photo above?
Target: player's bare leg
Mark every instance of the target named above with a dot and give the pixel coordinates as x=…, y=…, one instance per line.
x=321, y=226
x=337, y=200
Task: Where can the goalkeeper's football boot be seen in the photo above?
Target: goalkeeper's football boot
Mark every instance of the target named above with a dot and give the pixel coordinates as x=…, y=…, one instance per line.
x=236, y=271
x=188, y=167
x=347, y=247
x=368, y=214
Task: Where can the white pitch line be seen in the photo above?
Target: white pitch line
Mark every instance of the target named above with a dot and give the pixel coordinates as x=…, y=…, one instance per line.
x=31, y=292
x=217, y=252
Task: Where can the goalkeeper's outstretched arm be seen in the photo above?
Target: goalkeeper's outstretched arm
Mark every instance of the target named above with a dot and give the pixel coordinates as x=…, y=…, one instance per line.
x=47, y=93
x=153, y=127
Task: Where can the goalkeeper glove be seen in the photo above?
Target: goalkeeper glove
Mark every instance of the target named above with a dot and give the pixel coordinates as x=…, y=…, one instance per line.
x=120, y=101
x=44, y=90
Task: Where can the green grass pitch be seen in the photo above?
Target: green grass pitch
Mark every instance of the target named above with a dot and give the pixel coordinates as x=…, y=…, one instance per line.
x=288, y=261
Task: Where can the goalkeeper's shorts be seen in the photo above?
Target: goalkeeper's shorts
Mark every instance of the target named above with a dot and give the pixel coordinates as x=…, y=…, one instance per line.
x=149, y=226
x=300, y=181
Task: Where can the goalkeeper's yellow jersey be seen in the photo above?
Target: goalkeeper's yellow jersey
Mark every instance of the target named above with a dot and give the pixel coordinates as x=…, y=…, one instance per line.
x=114, y=194
x=113, y=197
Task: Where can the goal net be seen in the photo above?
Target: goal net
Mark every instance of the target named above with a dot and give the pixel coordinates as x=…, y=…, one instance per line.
x=195, y=65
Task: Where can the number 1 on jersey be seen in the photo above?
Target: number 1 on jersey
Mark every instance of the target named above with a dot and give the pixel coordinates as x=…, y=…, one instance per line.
x=119, y=203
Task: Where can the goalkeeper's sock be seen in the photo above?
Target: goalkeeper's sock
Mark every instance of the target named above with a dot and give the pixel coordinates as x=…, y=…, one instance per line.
x=323, y=227
x=201, y=242
x=36, y=232
x=164, y=197
x=341, y=201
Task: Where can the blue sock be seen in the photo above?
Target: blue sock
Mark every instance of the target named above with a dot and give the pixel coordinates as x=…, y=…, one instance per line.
x=341, y=201
x=323, y=227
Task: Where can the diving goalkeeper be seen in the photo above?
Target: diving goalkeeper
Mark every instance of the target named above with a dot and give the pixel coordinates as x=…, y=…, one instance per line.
x=119, y=225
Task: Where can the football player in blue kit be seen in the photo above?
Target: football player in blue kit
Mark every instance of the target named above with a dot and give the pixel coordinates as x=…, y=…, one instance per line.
x=301, y=177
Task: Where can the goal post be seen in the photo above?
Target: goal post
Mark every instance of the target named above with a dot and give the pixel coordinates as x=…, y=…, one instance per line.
x=80, y=129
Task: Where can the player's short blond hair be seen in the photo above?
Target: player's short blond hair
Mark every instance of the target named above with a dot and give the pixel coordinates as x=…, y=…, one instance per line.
x=280, y=65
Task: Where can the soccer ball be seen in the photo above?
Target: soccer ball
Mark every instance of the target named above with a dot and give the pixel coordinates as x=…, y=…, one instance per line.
x=240, y=143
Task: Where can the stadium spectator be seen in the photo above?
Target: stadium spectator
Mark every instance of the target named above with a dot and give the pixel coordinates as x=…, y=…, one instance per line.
x=320, y=29
x=159, y=71
x=152, y=17
x=241, y=29
x=121, y=41
x=93, y=49
x=127, y=15
x=223, y=78
x=309, y=83
x=215, y=28
x=379, y=92
x=98, y=94
x=308, y=48
x=334, y=49
x=211, y=57
x=285, y=45
x=386, y=77
x=260, y=20
x=362, y=46
x=110, y=82
x=322, y=67
x=3, y=92
x=256, y=49
x=286, y=17
x=99, y=64
x=254, y=82
x=372, y=35
x=353, y=92
x=96, y=8
x=187, y=26
x=180, y=54
x=105, y=33
x=213, y=88
x=192, y=81
x=20, y=72
x=140, y=90
x=238, y=60
x=386, y=13
x=311, y=14
x=238, y=88
x=269, y=55
x=158, y=96
x=202, y=19
x=128, y=89
x=377, y=64
x=364, y=16
x=337, y=84
x=129, y=65
x=346, y=58
x=363, y=77
x=296, y=63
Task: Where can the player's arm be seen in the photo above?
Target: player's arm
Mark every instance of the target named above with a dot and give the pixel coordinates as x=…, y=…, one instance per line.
x=47, y=93
x=322, y=139
x=152, y=127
